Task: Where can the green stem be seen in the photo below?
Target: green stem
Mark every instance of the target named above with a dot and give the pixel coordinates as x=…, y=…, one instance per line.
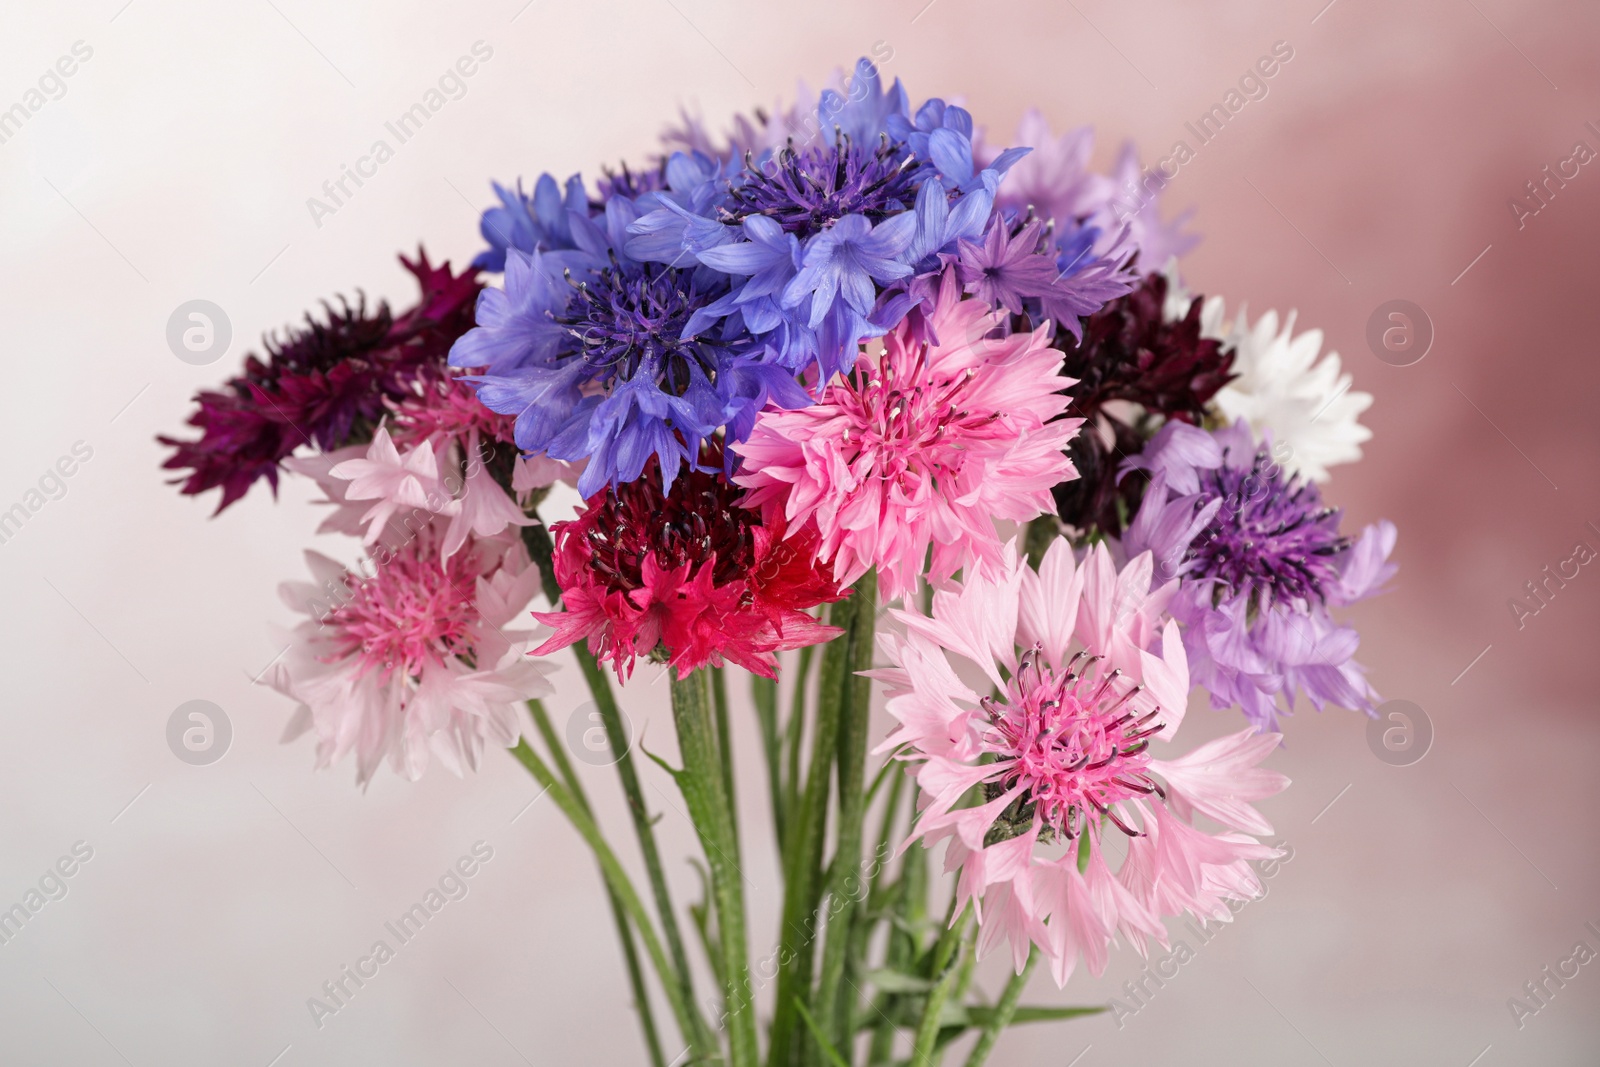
x=644, y=829
x=719, y=697
x=540, y=547
x=911, y=911
x=616, y=878
x=878, y=890
x=705, y=792
x=630, y=951
x=764, y=695
x=1003, y=1012
x=803, y=860
x=958, y=992
x=794, y=735
x=946, y=975
x=845, y=887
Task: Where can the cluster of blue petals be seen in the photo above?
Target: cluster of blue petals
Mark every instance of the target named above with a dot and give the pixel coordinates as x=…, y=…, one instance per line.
x=682, y=300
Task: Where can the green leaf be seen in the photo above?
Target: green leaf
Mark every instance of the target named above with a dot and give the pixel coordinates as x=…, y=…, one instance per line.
x=664, y=765
x=816, y=1032
x=704, y=922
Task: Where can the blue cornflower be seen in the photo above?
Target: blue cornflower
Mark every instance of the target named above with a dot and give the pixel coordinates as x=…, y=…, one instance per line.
x=605, y=365
x=684, y=298
x=806, y=191
x=942, y=134
x=845, y=259
x=530, y=223
x=864, y=111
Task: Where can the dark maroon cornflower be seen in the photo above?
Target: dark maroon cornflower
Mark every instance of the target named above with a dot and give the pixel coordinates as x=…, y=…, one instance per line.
x=325, y=386
x=803, y=191
x=1130, y=352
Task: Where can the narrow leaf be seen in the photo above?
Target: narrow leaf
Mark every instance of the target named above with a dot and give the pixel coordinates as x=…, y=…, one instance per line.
x=811, y=1024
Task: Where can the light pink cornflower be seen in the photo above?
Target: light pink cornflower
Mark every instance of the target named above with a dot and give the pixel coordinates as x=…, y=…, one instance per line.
x=413, y=659
x=950, y=427
x=446, y=476
x=1087, y=678
x=394, y=481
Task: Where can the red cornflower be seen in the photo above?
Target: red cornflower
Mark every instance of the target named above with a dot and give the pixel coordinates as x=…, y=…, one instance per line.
x=687, y=576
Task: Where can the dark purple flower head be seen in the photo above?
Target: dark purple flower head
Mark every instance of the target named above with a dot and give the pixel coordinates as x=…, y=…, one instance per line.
x=325, y=385
x=1271, y=538
x=1260, y=563
x=1130, y=352
x=805, y=191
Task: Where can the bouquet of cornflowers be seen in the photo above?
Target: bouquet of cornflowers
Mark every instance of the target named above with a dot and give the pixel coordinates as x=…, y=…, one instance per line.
x=850, y=378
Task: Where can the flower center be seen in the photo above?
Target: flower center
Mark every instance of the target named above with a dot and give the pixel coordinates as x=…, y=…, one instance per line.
x=908, y=421
x=806, y=191
x=623, y=319
x=699, y=519
x=1272, y=536
x=1075, y=742
x=411, y=612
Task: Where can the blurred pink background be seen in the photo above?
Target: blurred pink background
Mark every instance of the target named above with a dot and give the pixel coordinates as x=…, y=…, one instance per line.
x=176, y=165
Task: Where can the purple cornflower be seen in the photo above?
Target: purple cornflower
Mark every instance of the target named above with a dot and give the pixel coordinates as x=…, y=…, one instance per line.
x=1007, y=268
x=1260, y=561
x=805, y=191
x=844, y=260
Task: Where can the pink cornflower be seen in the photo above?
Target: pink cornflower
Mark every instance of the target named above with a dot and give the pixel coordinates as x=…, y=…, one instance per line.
x=1088, y=677
x=446, y=407
x=412, y=480
x=412, y=659
x=947, y=430
x=445, y=475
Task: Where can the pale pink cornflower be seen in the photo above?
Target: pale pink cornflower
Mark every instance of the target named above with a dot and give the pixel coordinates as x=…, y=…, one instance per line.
x=948, y=428
x=394, y=481
x=1087, y=678
x=435, y=476
x=413, y=660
